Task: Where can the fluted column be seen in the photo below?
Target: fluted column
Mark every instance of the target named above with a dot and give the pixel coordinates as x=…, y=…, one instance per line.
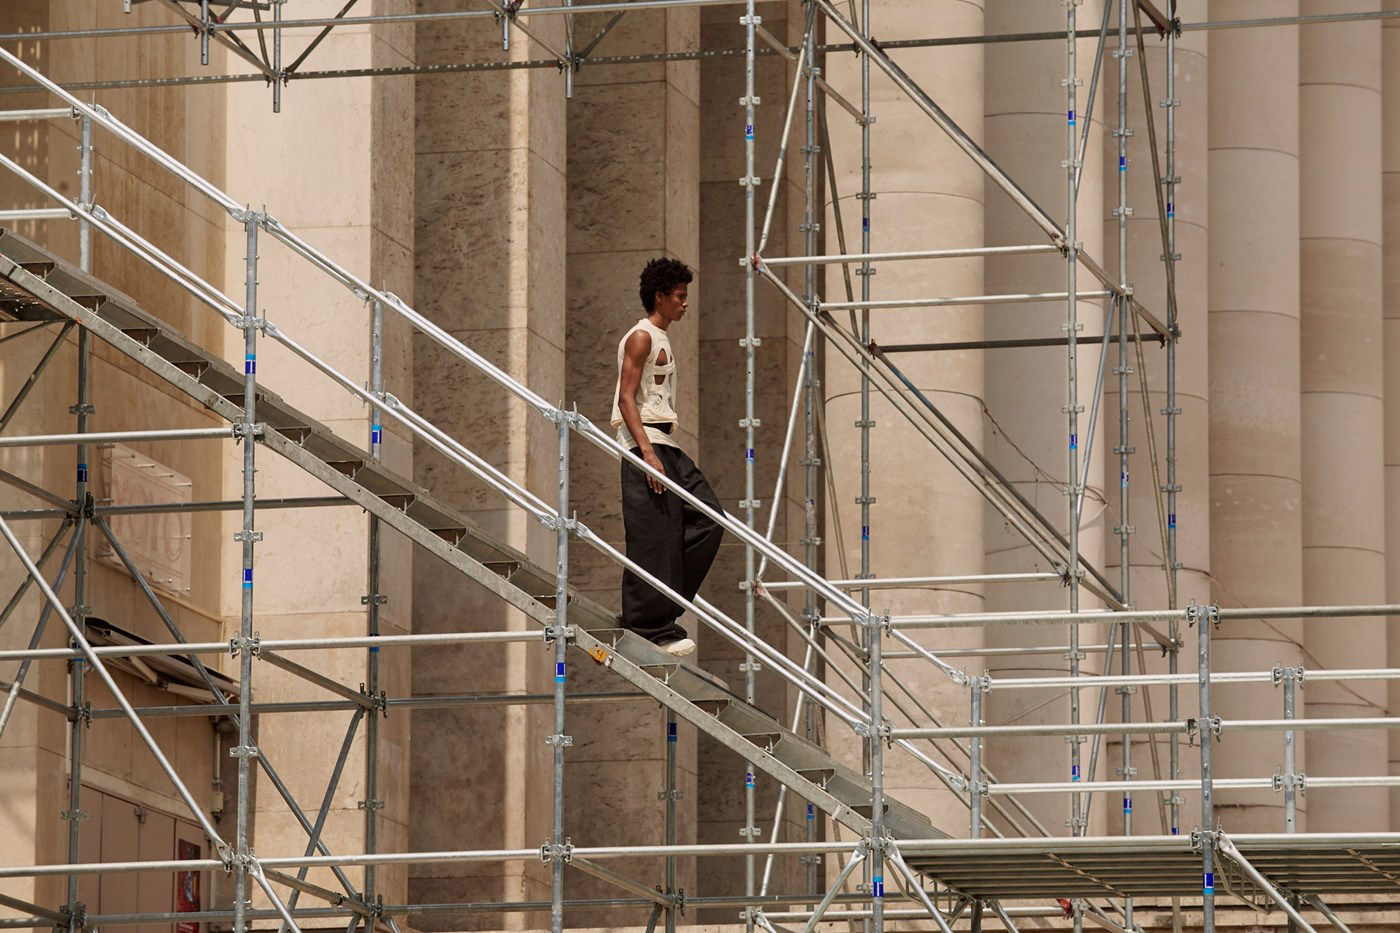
x=1255, y=427
x=1343, y=461
x=926, y=520
x=1390, y=292
x=1026, y=388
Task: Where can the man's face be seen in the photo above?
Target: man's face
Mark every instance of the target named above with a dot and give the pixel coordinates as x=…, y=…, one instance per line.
x=672, y=305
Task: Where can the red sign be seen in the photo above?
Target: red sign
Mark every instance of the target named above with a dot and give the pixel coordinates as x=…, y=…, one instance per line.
x=187, y=887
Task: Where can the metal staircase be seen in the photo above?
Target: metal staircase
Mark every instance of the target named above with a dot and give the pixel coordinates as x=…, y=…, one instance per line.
x=36, y=285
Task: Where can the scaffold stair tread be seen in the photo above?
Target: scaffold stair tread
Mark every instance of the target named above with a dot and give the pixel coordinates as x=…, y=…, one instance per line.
x=696, y=695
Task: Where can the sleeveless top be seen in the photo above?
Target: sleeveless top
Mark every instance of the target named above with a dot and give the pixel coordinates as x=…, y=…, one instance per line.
x=655, y=393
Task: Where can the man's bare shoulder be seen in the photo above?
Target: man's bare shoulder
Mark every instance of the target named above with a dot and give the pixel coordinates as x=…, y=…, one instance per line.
x=637, y=345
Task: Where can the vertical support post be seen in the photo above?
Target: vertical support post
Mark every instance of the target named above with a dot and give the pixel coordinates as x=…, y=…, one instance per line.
x=249, y=536
x=1204, y=726
x=77, y=668
x=974, y=767
x=1290, y=676
x=204, y=32
x=1290, y=762
x=1124, y=449
x=1174, y=629
x=277, y=67
x=561, y=645
x=876, y=629
x=1072, y=407
x=373, y=600
x=750, y=23
x=865, y=272
x=809, y=459
x=85, y=195
x=671, y=796
x=569, y=60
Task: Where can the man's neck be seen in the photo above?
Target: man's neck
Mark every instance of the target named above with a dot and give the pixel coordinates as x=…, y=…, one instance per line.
x=658, y=321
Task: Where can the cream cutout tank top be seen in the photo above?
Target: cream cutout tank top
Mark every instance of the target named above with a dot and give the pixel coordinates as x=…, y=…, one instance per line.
x=656, y=392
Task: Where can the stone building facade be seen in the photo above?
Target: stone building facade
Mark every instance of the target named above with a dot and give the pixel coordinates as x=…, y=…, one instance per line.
x=517, y=220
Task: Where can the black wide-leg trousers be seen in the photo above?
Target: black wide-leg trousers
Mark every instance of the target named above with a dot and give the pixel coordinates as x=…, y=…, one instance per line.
x=670, y=539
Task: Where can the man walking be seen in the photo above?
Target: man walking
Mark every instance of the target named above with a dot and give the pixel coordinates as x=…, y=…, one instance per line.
x=668, y=538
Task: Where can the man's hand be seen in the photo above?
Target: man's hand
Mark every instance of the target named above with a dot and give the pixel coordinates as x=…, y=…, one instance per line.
x=653, y=461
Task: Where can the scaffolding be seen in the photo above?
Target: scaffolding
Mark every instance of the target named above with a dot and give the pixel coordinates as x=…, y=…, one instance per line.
x=936, y=878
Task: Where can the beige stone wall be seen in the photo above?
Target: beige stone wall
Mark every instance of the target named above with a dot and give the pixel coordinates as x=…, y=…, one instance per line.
x=34, y=759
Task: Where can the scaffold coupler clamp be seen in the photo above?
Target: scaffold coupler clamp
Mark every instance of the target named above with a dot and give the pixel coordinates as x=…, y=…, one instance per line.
x=380, y=703
x=76, y=919
x=1293, y=780
x=1283, y=674
x=226, y=855
x=245, y=214
x=241, y=430
x=253, y=644
x=551, y=632
x=565, y=853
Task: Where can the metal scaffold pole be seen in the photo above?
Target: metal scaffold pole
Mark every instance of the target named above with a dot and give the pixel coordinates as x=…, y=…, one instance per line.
x=750, y=22
x=811, y=386
x=1171, y=412
x=1072, y=408
x=876, y=741
x=559, y=739
x=248, y=535
x=672, y=794
x=1124, y=449
x=85, y=194
x=1206, y=619
x=373, y=599
x=77, y=668
x=866, y=270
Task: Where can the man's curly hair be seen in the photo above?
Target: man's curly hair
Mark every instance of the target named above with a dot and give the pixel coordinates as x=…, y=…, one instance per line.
x=662, y=275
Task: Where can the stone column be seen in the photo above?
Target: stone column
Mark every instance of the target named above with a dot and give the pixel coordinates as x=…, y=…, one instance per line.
x=336, y=184
x=1343, y=461
x=490, y=192
x=927, y=520
x=1147, y=274
x=1255, y=427
x=633, y=175
x=720, y=805
x=1256, y=518
x=1390, y=291
x=1026, y=388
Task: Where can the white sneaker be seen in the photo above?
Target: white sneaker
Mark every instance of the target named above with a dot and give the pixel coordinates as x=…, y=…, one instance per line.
x=680, y=648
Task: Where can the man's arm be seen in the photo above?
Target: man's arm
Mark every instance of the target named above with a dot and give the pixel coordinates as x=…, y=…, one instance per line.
x=634, y=358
